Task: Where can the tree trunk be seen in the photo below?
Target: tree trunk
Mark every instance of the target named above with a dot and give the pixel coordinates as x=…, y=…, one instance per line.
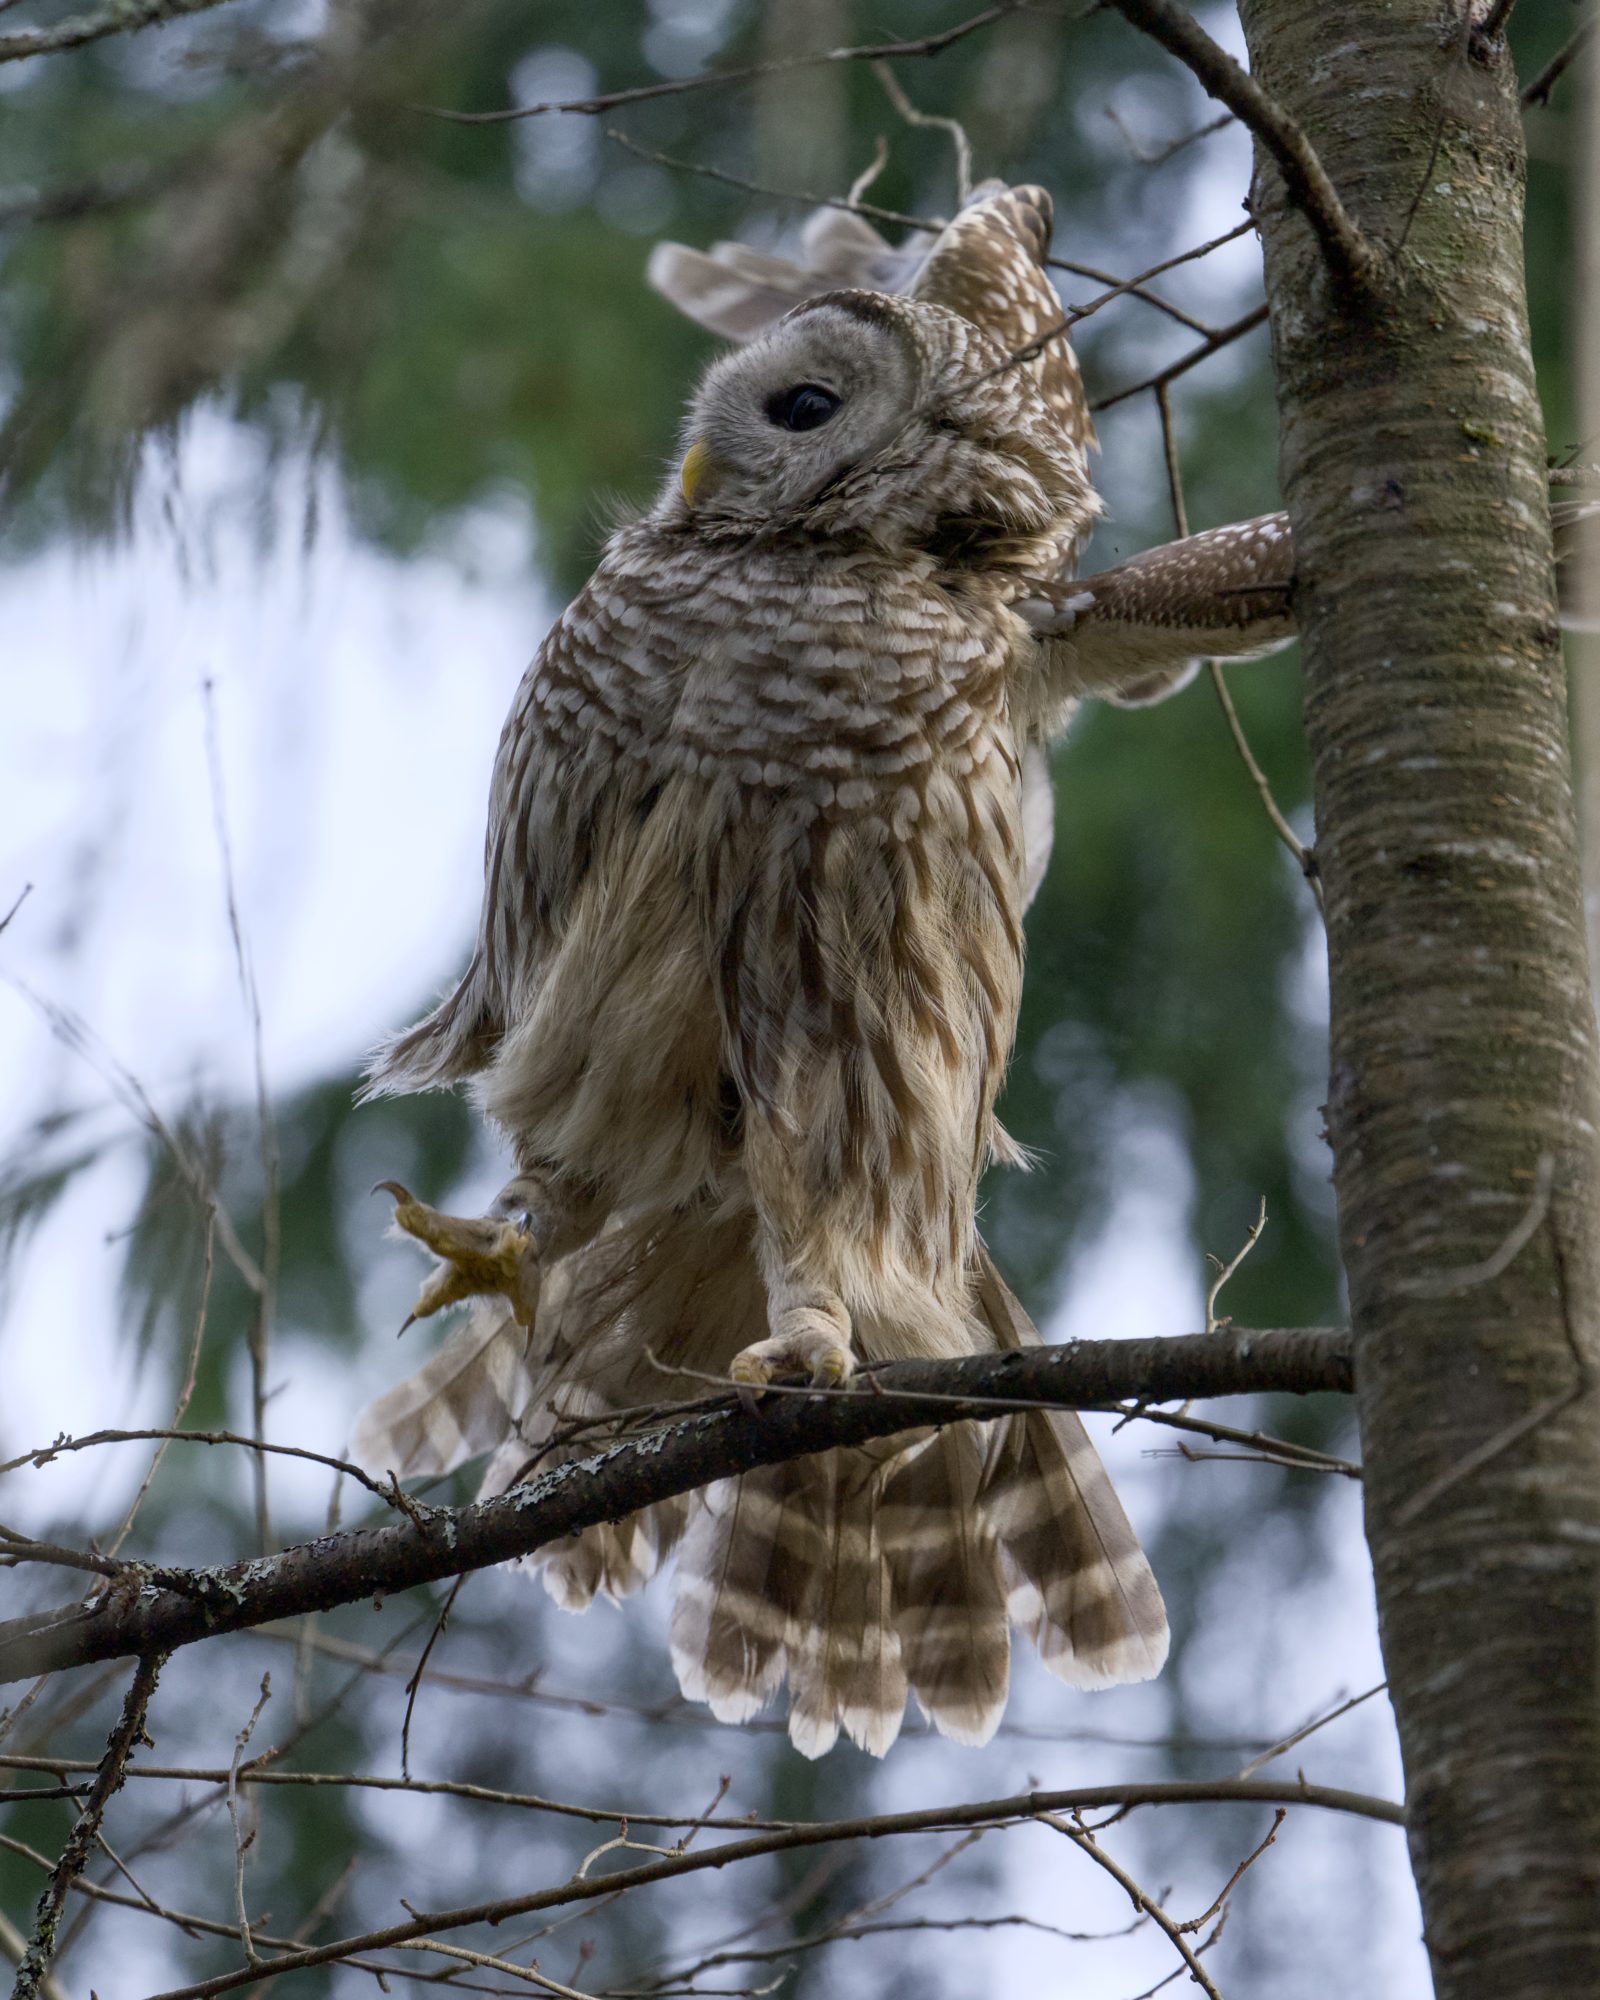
x=1462, y=1106
x=1583, y=648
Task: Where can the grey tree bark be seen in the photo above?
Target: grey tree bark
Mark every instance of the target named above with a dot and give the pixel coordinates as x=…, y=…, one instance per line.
x=1462, y=1105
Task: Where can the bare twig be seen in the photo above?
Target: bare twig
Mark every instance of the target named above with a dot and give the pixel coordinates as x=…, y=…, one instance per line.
x=920, y=45
x=1310, y=1729
x=1135, y=287
x=1082, y=1838
x=128, y=1732
x=1214, y=343
x=957, y=131
x=74, y=1033
x=1538, y=89
x=1232, y=1883
x=528, y=1975
x=1161, y=154
x=1350, y=256
x=1305, y=859
x=261, y=1321
x=23, y=895
x=241, y=1840
x=1226, y=1271
x=415, y=1683
x=185, y=1391
x=996, y=1812
x=1260, y=1445
x=43, y=1454
x=122, y=17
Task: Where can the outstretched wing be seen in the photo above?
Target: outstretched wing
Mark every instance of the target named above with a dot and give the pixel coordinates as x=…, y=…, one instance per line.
x=560, y=801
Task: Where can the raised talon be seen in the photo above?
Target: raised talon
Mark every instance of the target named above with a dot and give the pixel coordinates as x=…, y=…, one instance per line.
x=478, y=1255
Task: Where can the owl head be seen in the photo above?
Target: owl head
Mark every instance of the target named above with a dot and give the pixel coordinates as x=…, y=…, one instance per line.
x=867, y=418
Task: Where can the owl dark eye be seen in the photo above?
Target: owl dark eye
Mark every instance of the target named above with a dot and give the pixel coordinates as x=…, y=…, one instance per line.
x=803, y=407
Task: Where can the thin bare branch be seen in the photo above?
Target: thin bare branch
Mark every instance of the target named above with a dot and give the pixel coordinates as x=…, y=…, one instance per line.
x=22, y=896
x=1305, y=858
x=1350, y=256
x=1135, y=287
x=185, y=1392
x=122, y=17
x=1235, y=1879
x=1214, y=343
x=1310, y=1729
x=920, y=45
x=1537, y=90
x=995, y=1812
x=1158, y=156
x=261, y=1320
x=241, y=1840
x=1083, y=1839
x=43, y=1454
x=957, y=131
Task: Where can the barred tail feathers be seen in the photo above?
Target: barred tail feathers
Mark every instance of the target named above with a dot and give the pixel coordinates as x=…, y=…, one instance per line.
x=949, y=1596
x=1078, y=1583
x=456, y=1407
x=857, y=1576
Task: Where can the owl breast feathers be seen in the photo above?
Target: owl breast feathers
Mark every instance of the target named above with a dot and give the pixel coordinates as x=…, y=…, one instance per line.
x=744, y=989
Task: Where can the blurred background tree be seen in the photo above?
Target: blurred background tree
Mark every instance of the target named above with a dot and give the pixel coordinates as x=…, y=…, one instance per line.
x=278, y=339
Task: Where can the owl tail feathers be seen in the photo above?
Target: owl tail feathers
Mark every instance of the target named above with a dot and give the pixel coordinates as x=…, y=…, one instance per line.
x=456, y=1407
x=1078, y=1583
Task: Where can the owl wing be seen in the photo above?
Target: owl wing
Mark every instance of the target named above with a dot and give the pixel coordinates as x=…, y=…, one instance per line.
x=734, y=291
x=560, y=801
x=988, y=265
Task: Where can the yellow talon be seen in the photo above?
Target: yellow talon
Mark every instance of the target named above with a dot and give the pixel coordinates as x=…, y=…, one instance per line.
x=478, y=1255
x=831, y=1367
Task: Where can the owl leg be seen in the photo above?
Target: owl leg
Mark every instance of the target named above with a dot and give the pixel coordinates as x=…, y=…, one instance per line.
x=532, y=1219
x=810, y=1338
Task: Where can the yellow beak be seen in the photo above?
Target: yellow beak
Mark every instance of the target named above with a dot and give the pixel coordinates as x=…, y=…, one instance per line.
x=697, y=467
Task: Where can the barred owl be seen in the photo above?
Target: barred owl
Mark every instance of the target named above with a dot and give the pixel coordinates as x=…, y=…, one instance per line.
x=745, y=985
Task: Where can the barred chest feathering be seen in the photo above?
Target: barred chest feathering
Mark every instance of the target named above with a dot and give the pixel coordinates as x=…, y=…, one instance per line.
x=796, y=798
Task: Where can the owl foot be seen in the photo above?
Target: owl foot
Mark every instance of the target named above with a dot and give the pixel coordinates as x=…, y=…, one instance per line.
x=479, y=1254
x=810, y=1348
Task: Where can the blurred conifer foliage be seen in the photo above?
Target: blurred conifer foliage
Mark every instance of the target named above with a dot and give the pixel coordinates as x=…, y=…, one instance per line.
x=255, y=211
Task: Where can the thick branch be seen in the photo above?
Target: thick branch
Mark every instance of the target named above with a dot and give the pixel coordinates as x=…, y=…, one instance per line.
x=1348, y=252
x=440, y=1542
